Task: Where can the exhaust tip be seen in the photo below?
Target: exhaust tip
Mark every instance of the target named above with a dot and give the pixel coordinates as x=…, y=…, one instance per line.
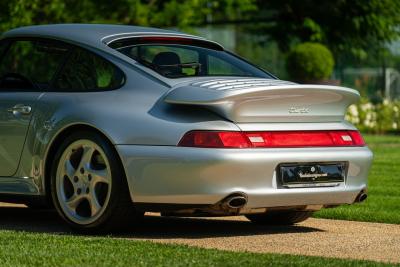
x=362, y=196
x=237, y=202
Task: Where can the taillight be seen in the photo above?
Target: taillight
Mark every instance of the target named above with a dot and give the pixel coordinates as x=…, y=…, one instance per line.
x=215, y=139
x=358, y=140
x=232, y=139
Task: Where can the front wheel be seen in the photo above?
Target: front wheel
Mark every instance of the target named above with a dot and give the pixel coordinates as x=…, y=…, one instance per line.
x=279, y=217
x=88, y=186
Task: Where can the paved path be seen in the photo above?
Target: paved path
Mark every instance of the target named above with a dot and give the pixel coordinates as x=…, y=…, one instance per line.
x=317, y=237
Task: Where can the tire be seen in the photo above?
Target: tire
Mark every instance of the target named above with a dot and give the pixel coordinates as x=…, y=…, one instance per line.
x=278, y=217
x=88, y=186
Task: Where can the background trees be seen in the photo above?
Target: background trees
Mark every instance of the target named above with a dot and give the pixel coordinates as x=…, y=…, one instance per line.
x=158, y=13
x=343, y=25
x=358, y=32
x=353, y=26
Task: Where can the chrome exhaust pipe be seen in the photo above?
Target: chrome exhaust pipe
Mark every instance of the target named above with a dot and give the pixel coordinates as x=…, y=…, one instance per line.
x=236, y=201
x=362, y=196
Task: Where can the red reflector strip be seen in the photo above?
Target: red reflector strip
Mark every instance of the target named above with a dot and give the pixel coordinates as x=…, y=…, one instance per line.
x=227, y=139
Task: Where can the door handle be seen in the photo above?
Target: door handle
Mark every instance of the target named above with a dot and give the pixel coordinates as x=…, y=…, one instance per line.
x=20, y=109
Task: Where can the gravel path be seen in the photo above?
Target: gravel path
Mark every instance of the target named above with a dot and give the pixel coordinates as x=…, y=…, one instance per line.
x=316, y=237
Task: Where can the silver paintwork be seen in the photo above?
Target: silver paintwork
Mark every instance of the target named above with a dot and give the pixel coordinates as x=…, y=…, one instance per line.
x=145, y=130
x=13, y=128
x=165, y=174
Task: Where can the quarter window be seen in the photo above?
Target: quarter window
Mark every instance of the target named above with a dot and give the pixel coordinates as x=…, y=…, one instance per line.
x=31, y=64
x=85, y=71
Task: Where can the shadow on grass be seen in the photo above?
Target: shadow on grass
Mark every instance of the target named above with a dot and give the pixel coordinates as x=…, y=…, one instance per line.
x=152, y=227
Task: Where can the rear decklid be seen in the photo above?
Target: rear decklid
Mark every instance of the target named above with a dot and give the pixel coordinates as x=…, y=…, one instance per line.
x=266, y=100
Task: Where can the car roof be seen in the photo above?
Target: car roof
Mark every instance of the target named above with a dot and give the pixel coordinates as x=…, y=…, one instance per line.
x=95, y=35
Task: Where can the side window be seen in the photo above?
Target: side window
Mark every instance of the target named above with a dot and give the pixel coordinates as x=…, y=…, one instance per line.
x=217, y=66
x=3, y=47
x=30, y=64
x=85, y=71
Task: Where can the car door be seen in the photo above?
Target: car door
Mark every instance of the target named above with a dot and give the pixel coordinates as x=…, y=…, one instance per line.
x=27, y=68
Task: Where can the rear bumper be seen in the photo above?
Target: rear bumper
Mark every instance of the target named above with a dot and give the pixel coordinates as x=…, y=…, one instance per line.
x=183, y=175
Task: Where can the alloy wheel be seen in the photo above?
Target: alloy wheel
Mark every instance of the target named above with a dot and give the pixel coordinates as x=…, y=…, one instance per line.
x=83, y=182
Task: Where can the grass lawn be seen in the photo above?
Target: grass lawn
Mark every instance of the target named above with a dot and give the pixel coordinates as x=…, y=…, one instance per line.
x=383, y=203
x=41, y=249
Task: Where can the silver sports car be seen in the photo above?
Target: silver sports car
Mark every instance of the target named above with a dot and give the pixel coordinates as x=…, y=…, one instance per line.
x=106, y=122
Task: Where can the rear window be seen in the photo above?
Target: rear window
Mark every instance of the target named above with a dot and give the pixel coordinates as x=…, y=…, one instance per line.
x=180, y=59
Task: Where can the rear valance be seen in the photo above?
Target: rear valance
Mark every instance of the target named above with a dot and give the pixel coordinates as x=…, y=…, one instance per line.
x=264, y=100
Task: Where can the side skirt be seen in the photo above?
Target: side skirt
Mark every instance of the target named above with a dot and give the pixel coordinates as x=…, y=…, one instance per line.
x=18, y=186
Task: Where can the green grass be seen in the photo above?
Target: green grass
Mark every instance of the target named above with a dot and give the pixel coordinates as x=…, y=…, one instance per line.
x=41, y=249
x=383, y=203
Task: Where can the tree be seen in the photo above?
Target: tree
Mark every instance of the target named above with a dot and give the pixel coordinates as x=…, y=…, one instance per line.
x=353, y=26
x=157, y=13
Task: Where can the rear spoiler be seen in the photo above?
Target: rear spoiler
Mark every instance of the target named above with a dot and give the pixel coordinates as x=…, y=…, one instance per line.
x=264, y=100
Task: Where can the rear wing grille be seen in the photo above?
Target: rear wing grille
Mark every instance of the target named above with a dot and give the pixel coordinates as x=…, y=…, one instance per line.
x=238, y=84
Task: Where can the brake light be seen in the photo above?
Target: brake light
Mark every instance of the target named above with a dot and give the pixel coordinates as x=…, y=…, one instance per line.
x=164, y=38
x=178, y=40
x=234, y=139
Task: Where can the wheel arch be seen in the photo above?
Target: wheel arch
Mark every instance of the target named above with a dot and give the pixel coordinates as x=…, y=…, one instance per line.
x=56, y=142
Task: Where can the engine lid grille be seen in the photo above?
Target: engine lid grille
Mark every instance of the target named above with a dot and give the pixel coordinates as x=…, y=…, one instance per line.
x=239, y=84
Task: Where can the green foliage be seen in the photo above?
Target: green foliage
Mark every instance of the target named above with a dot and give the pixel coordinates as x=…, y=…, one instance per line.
x=310, y=62
x=261, y=52
x=157, y=13
x=350, y=26
x=377, y=118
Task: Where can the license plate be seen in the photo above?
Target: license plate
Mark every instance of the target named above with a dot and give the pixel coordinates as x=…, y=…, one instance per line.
x=295, y=175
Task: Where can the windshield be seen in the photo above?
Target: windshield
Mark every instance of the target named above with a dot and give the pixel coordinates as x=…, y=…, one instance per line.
x=182, y=60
